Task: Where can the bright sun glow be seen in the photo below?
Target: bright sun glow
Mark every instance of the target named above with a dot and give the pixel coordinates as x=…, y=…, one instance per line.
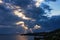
x=21, y=15
x=21, y=23
x=38, y=2
x=1, y=1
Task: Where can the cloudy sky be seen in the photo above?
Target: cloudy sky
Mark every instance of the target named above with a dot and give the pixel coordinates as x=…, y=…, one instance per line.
x=30, y=15
x=56, y=8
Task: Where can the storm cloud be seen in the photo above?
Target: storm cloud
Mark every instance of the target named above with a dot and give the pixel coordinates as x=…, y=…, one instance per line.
x=13, y=11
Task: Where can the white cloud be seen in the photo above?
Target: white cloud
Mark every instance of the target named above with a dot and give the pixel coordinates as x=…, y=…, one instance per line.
x=1, y=1
x=38, y=2
x=37, y=27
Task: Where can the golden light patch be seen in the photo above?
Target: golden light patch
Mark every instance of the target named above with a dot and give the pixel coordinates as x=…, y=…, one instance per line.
x=1, y=1
x=22, y=37
x=21, y=23
x=38, y=2
x=21, y=15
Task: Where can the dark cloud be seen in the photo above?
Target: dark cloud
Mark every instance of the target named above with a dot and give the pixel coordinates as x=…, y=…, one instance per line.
x=50, y=24
x=6, y=17
x=46, y=7
x=21, y=3
x=55, y=20
x=33, y=12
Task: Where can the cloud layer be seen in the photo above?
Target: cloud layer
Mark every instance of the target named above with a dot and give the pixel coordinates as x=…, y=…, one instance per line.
x=15, y=11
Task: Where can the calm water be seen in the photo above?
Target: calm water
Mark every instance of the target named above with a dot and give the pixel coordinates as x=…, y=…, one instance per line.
x=15, y=37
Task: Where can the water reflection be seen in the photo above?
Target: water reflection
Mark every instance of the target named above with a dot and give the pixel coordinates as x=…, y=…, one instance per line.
x=18, y=37
x=15, y=37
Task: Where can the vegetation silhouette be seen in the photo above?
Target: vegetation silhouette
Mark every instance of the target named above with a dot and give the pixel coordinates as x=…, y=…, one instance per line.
x=53, y=35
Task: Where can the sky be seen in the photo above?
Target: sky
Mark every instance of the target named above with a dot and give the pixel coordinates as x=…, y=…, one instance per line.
x=30, y=16
x=56, y=8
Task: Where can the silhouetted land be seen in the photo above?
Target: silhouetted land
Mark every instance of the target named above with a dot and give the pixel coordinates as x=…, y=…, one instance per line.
x=53, y=35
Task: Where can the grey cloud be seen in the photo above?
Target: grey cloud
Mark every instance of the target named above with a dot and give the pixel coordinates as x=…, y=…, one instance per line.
x=35, y=13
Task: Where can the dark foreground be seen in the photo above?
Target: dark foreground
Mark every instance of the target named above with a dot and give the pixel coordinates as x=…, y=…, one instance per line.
x=53, y=35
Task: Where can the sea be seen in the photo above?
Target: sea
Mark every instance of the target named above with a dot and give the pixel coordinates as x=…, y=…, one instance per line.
x=15, y=37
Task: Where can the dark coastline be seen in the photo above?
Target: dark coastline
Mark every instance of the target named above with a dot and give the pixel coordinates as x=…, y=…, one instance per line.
x=29, y=36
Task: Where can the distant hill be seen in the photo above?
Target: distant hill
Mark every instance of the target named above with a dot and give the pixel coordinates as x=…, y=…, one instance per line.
x=55, y=32
x=53, y=35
